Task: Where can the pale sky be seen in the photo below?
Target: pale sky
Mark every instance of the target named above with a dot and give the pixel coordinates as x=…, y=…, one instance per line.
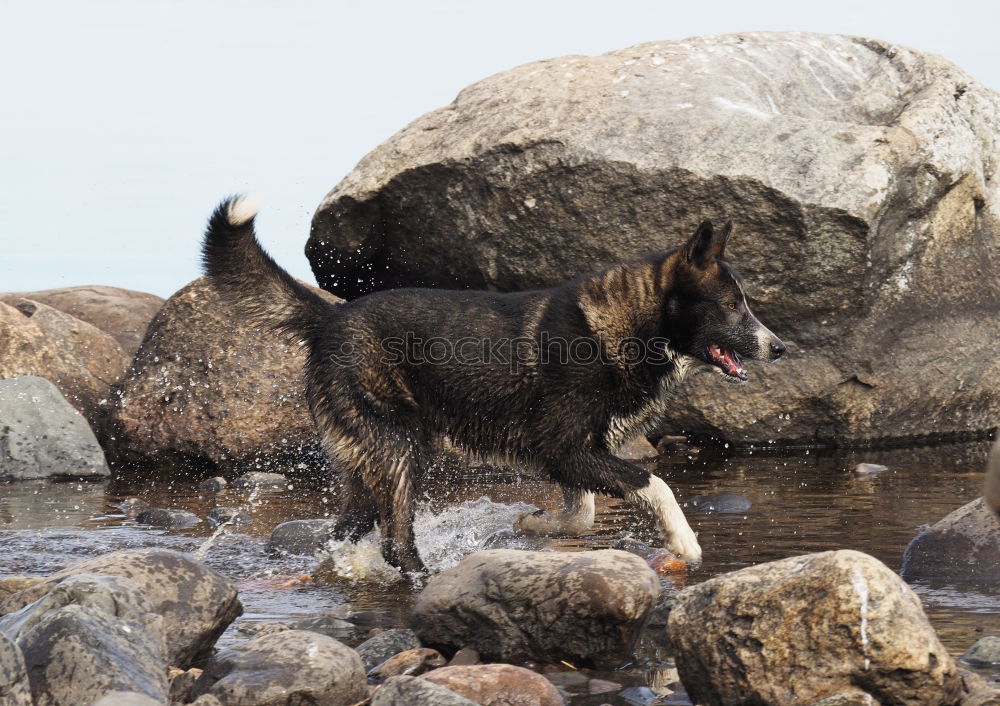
x=124, y=122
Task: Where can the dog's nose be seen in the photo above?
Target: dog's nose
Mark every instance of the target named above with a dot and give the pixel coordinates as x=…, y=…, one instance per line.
x=777, y=348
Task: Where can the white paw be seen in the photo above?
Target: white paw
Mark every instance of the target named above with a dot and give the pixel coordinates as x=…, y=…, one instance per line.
x=684, y=545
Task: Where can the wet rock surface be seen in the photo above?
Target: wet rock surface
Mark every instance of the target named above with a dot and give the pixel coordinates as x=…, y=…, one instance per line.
x=42, y=435
x=196, y=603
x=121, y=313
x=846, y=235
x=806, y=628
x=720, y=503
x=985, y=653
x=497, y=685
x=409, y=691
x=294, y=666
x=409, y=662
x=14, y=687
x=165, y=517
x=81, y=360
x=300, y=537
x=376, y=650
x=515, y=606
x=206, y=388
x=964, y=546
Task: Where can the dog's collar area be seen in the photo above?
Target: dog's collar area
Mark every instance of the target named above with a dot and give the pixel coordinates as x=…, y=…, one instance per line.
x=727, y=361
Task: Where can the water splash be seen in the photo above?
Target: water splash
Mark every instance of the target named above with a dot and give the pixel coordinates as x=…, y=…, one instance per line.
x=223, y=528
x=443, y=539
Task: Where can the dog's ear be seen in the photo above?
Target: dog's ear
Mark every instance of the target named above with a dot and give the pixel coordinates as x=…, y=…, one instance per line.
x=707, y=244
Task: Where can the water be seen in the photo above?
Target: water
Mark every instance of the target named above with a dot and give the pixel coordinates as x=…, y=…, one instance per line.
x=803, y=501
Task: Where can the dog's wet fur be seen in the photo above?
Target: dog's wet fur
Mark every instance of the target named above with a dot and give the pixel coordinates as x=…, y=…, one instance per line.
x=379, y=413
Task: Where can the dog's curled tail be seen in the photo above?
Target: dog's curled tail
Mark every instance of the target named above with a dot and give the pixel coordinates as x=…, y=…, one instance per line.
x=250, y=280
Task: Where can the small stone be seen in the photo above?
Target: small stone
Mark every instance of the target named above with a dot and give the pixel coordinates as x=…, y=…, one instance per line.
x=413, y=691
x=411, y=662
x=213, y=485
x=374, y=651
x=259, y=479
x=464, y=657
x=329, y=625
x=300, y=537
x=230, y=515
x=165, y=517
x=131, y=507
x=639, y=696
x=602, y=686
x=182, y=684
x=500, y=684
x=984, y=653
x=962, y=548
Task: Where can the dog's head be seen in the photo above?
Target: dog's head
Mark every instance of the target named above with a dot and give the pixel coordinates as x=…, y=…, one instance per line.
x=707, y=314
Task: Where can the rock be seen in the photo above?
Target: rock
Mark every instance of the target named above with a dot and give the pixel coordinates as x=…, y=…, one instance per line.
x=213, y=485
x=165, y=517
x=329, y=625
x=410, y=691
x=79, y=359
x=121, y=313
x=14, y=688
x=464, y=658
x=131, y=507
x=208, y=389
x=991, y=488
x=801, y=629
x=376, y=650
x=513, y=606
x=300, y=537
x=865, y=469
x=258, y=479
x=230, y=515
x=126, y=698
x=182, y=684
x=976, y=691
x=602, y=686
x=859, y=174
x=197, y=603
x=721, y=503
x=294, y=666
x=77, y=653
x=15, y=584
x=639, y=696
x=251, y=629
x=985, y=653
x=410, y=662
x=206, y=700
x=42, y=435
x=637, y=449
x=497, y=685
x=963, y=547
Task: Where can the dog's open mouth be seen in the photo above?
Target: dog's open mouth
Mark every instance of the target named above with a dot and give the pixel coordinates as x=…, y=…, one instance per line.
x=727, y=361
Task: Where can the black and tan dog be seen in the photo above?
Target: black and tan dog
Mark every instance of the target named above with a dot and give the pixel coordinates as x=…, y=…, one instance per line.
x=552, y=380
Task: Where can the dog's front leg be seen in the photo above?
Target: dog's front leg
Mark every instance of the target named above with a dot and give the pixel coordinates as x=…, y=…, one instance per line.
x=606, y=473
x=576, y=518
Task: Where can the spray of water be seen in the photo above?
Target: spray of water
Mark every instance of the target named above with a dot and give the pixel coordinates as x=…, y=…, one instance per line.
x=223, y=528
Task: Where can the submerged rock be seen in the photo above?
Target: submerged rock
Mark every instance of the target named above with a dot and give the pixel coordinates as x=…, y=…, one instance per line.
x=196, y=602
x=963, y=547
x=42, y=435
x=859, y=174
x=121, y=313
x=207, y=388
x=985, y=653
x=213, y=485
x=300, y=537
x=514, y=606
x=866, y=469
x=294, y=666
x=165, y=517
x=410, y=691
x=230, y=515
x=497, y=685
x=721, y=503
x=802, y=629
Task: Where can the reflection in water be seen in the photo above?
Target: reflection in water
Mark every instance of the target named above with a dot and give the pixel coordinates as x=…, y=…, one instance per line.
x=803, y=501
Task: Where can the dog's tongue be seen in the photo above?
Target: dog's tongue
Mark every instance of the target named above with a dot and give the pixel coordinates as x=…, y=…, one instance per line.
x=730, y=362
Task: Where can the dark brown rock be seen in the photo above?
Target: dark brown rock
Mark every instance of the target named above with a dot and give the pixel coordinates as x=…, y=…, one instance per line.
x=497, y=685
x=963, y=547
x=515, y=606
x=858, y=173
x=806, y=628
x=121, y=313
x=207, y=388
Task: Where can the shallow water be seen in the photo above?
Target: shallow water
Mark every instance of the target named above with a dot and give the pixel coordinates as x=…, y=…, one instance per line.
x=803, y=501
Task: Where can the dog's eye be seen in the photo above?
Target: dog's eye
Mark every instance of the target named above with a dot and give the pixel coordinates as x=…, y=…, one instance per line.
x=732, y=306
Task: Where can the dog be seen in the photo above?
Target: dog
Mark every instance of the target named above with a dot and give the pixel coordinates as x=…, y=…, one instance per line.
x=552, y=380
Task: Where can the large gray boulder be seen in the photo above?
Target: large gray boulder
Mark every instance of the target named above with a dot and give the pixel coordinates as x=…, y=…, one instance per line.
x=514, y=606
x=121, y=313
x=288, y=667
x=806, y=628
x=196, y=602
x=14, y=688
x=208, y=388
x=860, y=176
x=42, y=435
x=962, y=547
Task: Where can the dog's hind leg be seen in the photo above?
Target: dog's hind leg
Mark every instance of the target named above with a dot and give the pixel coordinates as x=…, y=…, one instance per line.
x=392, y=482
x=576, y=518
x=602, y=472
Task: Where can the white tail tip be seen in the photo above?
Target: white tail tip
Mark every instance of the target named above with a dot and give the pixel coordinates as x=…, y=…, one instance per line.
x=243, y=209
